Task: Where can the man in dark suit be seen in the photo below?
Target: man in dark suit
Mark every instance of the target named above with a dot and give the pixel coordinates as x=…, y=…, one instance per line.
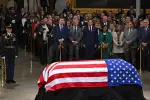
x=75, y=36
x=90, y=40
x=143, y=39
x=61, y=35
x=105, y=22
x=147, y=40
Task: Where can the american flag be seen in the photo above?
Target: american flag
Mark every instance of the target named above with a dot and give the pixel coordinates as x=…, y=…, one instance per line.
x=92, y=73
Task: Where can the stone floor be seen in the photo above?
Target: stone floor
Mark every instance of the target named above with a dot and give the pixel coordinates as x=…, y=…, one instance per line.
x=27, y=77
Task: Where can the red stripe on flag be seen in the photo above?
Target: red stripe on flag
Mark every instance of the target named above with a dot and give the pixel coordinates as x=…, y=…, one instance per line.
x=78, y=85
x=71, y=75
x=80, y=66
x=41, y=81
x=51, y=66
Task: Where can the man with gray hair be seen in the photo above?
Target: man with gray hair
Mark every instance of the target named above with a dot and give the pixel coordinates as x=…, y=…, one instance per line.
x=130, y=39
x=144, y=42
x=75, y=36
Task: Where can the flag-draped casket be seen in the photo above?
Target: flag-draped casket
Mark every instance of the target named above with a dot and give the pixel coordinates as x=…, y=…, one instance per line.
x=99, y=79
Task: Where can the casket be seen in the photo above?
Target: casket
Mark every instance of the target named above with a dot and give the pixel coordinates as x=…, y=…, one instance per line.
x=111, y=79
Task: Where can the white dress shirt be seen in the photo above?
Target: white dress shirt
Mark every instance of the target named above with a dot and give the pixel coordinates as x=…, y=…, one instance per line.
x=23, y=21
x=45, y=32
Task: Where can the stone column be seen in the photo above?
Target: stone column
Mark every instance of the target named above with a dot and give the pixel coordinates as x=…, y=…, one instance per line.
x=11, y=3
x=31, y=5
x=25, y=5
x=34, y=4
x=38, y=5
x=138, y=8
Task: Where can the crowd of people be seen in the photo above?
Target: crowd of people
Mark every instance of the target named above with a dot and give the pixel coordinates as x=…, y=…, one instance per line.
x=72, y=35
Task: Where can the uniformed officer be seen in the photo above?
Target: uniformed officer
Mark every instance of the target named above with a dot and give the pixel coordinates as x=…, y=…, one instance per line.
x=9, y=52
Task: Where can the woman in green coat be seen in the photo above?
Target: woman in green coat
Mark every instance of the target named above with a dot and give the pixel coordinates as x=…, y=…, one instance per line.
x=105, y=42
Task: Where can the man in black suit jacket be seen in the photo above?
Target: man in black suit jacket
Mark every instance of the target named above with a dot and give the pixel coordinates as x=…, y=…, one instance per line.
x=90, y=40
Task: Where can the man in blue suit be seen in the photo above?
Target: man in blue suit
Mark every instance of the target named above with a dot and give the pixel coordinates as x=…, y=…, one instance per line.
x=61, y=36
x=90, y=40
x=144, y=40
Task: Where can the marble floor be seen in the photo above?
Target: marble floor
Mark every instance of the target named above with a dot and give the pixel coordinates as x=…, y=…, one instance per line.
x=27, y=77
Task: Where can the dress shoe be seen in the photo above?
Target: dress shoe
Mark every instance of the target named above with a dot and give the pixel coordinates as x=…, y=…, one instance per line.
x=8, y=81
x=12, y=81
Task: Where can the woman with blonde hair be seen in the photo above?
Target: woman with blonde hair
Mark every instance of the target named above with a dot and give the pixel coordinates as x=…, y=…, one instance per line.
x=118, y=41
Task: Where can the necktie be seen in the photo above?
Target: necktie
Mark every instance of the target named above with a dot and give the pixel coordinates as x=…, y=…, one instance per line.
x=74, y=29
x=98, y=31
x=61, y=27
x=129, y=31
x=91, y=28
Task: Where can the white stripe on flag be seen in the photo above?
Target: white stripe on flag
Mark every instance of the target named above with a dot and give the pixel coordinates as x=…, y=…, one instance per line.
x=81, y=63
x=76, y=79
x=77, y=70
x=46, y=71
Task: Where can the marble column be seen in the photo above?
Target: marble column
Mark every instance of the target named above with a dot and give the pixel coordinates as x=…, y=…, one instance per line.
x=38, y=5
x=31, y=5
x=25, y=5
x=34, y=5
x=138, y=8
x=11, y=3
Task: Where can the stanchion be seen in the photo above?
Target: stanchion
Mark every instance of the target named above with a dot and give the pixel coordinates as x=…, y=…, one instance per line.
x=140, y=60
x=60, y=51
x=3, y=72
x=25, y=47
x=140, y=48
x=101, y=51
x=47, y=52
x=31, y=54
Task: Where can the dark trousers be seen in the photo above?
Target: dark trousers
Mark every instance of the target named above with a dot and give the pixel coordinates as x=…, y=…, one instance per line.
x=118, y=55
x=43, y=53
x=145, y=60
x=10, y=65
x=57, y=54
x=38, y=44
x=130, y=56
x=89, y=52
x=25, y=40
x=73, y=52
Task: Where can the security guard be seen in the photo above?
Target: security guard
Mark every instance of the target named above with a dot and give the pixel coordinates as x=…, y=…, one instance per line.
x=9, y=52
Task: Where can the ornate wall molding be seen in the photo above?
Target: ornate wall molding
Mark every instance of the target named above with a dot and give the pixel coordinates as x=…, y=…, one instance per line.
x=91, y=10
